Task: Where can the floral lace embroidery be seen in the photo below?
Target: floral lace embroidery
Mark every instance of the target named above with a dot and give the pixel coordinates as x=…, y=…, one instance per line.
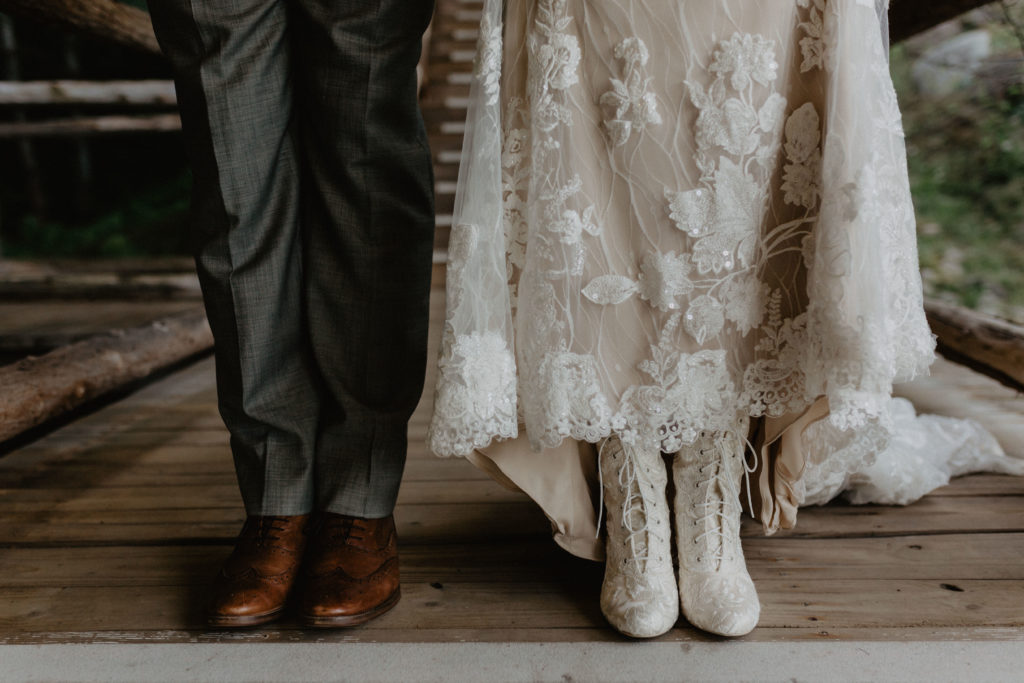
x=488, y=58
x=689, y=392
x=800, y=182
x=629, y=105
x=764, y=185
x=476, y=397
x=554, y=60
x=813, y=45
x=663, y=277
x=746, y=57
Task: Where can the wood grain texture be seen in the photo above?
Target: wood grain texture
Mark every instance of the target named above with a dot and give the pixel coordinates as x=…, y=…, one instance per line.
x=88, y=126
x=990, y=345
x=64, y=92
x=35, y=390
x=111, y=527
x=552, y=605
x=284, y=633
x=41, y=326
x=946, y=558
x=105, y=19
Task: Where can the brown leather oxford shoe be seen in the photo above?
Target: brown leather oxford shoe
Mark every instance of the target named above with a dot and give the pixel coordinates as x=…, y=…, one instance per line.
x=350, y=574
x=253, y=585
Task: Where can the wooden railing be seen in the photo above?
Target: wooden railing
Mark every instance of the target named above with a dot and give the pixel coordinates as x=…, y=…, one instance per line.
x=129, y=26
x=106, y=19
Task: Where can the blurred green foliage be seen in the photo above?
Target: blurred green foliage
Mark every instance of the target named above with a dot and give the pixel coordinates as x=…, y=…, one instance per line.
x=149, y=223
x=966, y=160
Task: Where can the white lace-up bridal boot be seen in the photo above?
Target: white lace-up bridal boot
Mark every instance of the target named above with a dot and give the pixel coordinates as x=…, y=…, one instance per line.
x=715, y=590
x=638, y=596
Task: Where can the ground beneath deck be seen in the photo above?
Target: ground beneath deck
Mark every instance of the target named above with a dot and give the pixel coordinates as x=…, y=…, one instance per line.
x=111, y=528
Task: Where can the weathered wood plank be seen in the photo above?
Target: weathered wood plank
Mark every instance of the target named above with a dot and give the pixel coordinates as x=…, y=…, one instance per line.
x=681, y=634
x=106, y=19
x=987, y=344
x=416, y=524
x=947, y=558
x=73, y=476
x=938, y=515
x=569, y=603
x=981, y=485
x=183, y=497
x=91, y=126
x=38, y=389
x=421, y=523
x=49, y=324
x=145, y=92
x=166, y=496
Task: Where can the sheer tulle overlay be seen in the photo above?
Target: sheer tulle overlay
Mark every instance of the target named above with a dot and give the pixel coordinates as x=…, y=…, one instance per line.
x=673, y=216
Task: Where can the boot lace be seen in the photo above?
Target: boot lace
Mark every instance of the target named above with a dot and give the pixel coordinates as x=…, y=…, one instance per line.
x=718, y=510
x=634, y=505
x=339, y=529
x=264, y=530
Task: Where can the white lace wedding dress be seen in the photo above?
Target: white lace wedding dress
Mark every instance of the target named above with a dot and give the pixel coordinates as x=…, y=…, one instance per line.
x=672, y=215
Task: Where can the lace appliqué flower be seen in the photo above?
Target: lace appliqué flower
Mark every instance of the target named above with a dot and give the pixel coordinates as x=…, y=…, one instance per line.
x=554, y=60
x=571, y=403
x=744, y=58
x=688, y=393
x=745, y=297
x=801, y=180
x=724, y=216
x=476, y=395
x=488, y=58
x=817, y=45
x=663, y=278
x=629, y=106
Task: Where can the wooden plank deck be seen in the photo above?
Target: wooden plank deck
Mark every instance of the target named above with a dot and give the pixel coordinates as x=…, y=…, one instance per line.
x=111, y=528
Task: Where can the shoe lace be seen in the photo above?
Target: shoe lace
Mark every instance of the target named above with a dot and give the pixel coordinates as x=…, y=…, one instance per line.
x=265, y=529
x=720, y=506
x=339, y=529
x=634, y=506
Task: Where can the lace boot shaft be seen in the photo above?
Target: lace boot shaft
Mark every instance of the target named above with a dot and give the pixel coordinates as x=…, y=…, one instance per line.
x=715, y=589
x=638, y=596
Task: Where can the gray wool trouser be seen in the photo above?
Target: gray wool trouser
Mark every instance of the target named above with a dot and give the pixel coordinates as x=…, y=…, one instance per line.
x=313, y=219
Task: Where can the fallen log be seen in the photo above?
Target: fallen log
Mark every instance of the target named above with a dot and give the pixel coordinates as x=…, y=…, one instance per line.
x=38, y=389
x=984, y=343
x=104, y=19
x=88, y=126
x=141, y=93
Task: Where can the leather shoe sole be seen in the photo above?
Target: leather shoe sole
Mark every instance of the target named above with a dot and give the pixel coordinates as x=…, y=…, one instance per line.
x=342, y=621
x=241, y=621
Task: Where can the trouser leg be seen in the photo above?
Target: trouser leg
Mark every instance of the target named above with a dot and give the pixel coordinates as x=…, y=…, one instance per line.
x=368, y=224
x=232, y=67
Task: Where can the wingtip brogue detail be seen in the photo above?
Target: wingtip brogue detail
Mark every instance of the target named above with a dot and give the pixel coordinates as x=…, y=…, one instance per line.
x=351, y=574
x=253, y=585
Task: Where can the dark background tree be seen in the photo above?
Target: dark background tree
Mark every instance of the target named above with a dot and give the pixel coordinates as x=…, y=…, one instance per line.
x=101, y=196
